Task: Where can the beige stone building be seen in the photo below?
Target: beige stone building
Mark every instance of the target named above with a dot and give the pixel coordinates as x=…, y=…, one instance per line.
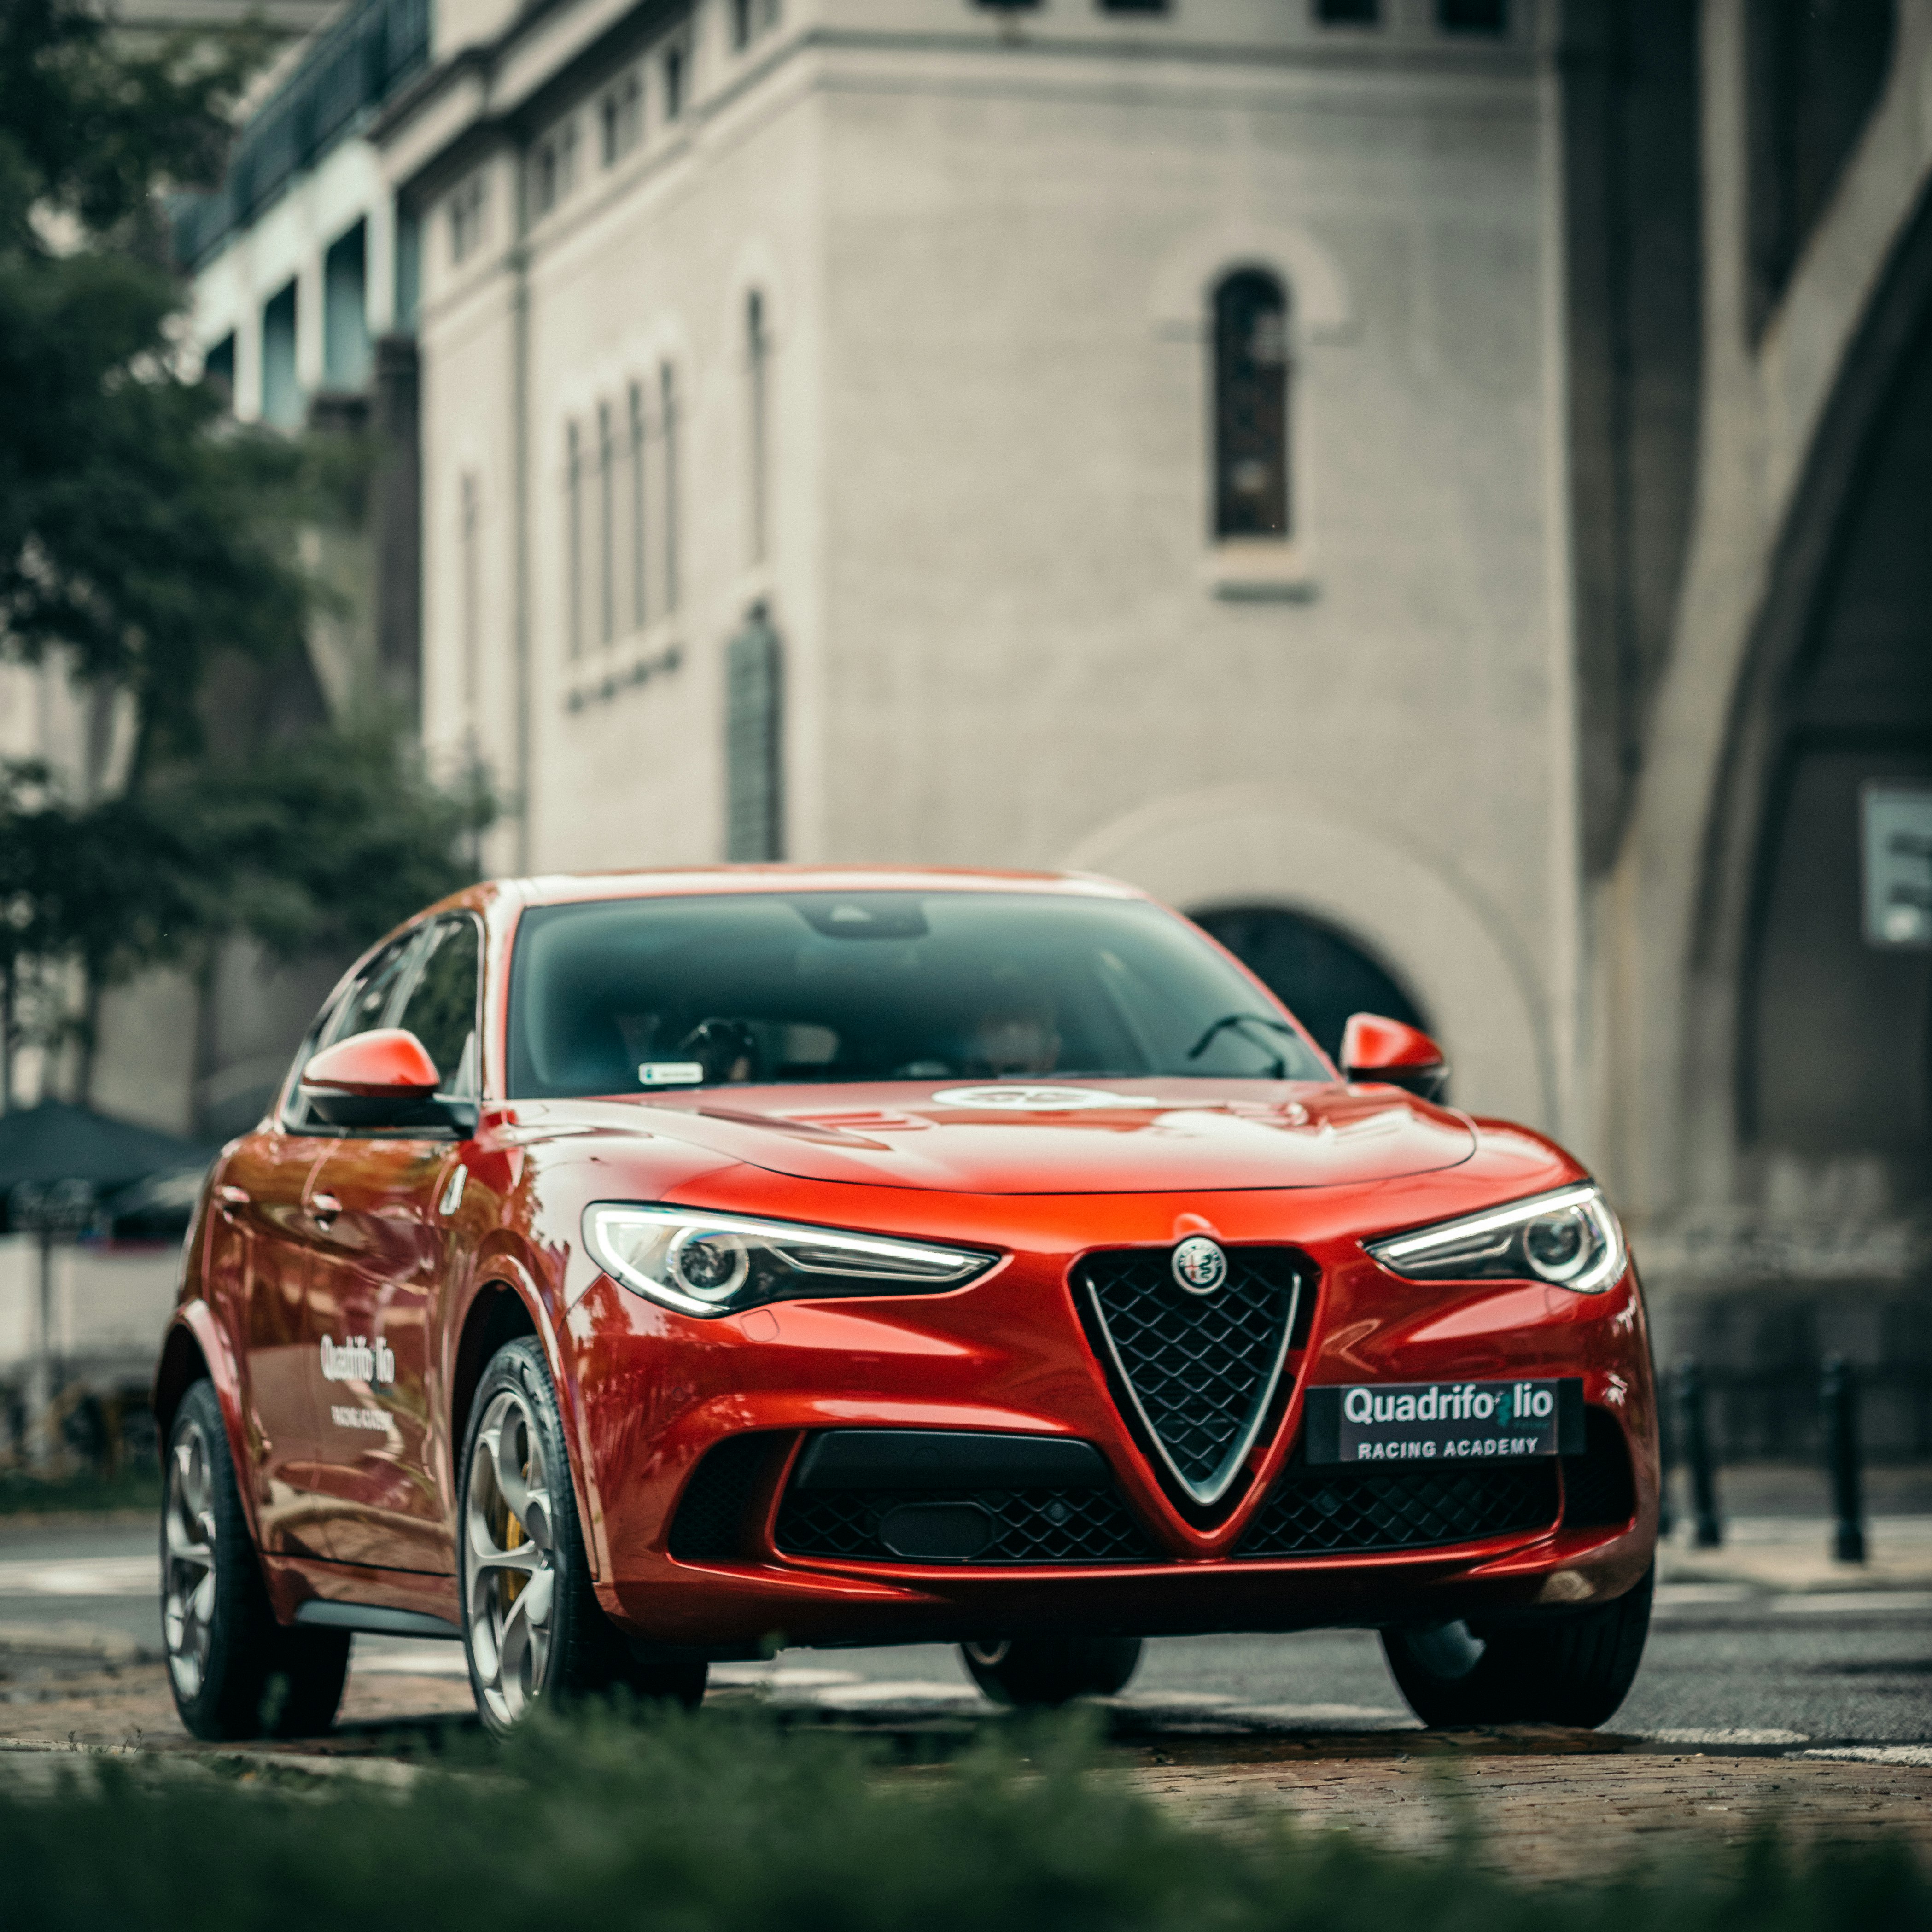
x=1433, y=487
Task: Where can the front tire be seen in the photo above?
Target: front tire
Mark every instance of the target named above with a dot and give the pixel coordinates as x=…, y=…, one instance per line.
x=1575, y=1670
x=1051, y=1670
x=235, y=1672
x=532, y=1625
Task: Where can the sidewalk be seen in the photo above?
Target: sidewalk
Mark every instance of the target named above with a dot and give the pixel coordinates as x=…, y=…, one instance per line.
x=1788, y=1554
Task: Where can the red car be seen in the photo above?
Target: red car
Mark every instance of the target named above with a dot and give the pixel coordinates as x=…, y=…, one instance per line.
x=638, y=1271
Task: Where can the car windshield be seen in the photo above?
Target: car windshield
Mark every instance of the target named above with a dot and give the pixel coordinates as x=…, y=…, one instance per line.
x=623, y=995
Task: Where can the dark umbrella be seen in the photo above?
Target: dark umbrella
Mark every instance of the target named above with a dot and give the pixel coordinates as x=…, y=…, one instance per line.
x=57, y=1141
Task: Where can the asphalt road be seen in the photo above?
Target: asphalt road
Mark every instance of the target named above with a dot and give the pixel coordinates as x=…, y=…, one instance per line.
x=1726, y=1664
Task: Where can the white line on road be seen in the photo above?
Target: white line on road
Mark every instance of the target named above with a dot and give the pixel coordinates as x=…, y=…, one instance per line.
x=1726, y=1737
x=83, y=1576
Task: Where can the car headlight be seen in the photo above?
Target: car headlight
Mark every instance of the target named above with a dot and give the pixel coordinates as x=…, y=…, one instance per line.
x=704, y=1264
x=1570, y=1237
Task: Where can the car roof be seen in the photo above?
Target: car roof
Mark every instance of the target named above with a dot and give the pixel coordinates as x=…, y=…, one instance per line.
x=564, y=888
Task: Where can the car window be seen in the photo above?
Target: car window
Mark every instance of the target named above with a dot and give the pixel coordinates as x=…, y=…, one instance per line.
x=614, y=996
x=369, y=1000
x=440, y=1007
x=370, y=992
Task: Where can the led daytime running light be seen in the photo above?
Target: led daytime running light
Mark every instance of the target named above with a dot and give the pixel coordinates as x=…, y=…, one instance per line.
x=1451, y=1250
x=712, y=1264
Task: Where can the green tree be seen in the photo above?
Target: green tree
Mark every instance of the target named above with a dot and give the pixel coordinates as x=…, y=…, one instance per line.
x=148, y=545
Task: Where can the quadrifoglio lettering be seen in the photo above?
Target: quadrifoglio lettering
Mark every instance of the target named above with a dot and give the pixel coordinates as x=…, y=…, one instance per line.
x=1454, y=1401
x=357, y=1359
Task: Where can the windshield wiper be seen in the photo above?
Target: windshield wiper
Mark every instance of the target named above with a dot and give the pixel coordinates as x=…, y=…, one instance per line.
x=1227, y=1020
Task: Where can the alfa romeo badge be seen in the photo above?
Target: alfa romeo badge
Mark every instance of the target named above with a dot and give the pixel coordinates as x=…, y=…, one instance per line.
x=1200, y=1265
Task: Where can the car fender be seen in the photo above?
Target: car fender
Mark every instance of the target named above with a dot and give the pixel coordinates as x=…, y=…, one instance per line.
x=194, y=1329
x=503, y=1262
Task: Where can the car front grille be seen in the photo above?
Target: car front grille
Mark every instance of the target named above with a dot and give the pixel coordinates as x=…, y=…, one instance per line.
x=1202, y=1369
x=1319, y=1511
x=1022, y=1525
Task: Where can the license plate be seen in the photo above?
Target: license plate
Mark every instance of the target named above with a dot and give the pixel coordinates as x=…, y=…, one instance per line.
x=1444, y=1422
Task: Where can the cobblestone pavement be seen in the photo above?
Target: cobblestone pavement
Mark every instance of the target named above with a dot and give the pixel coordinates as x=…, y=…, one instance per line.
x=1779, y=1687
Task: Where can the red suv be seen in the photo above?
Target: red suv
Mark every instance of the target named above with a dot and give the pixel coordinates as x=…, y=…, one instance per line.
x=635, y=1271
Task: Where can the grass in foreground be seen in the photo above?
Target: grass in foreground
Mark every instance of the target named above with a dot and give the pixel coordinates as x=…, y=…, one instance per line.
x=727, y=1824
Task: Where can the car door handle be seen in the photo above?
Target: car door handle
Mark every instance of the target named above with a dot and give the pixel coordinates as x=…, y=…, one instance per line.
x=323, y=1209
x=230, y=1200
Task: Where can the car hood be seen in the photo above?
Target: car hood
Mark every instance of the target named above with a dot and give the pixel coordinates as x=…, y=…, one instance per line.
x=1075, y=1137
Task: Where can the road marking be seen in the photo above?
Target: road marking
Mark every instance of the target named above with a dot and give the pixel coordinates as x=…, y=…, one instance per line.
x=1726, y=1737
x=1876, y=1753
x=1824, y=1602
x=780, y=1677
x=83, y=1576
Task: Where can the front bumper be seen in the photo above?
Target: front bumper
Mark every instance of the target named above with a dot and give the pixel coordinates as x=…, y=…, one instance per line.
x=658, y=1393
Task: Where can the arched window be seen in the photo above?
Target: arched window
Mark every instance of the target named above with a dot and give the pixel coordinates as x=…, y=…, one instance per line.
x=754, y=740
x=1321, y=975
x=607, y=526
x=471, y=588
x=757, y=363
x=669, y=410
x=573, y=490
x=1251, y=401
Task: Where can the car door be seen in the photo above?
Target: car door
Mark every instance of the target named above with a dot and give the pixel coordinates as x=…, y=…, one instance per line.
x=259, y=1240
x=372, y=1292
x=262, y=1234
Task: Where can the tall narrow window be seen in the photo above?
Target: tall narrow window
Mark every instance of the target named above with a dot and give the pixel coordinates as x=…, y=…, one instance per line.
x=741, y=24
x=466, y=207
x=757, y=362
x=639, y=610
x=607, y=527
x=281, y=397
x=754, y=789
x=345, y=312
x=1472, y=17
x=470, y=591
x=1251, y=492
x=668, y=413
x=674, y=82
x=217, y=369
x=573, y=488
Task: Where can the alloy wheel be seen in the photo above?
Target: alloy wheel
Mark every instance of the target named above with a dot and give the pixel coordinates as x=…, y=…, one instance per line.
x=510, y=1582
x=188, y=1560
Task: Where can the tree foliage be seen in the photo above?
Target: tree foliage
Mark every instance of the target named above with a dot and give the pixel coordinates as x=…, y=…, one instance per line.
x=148, y=547
x=139, y=535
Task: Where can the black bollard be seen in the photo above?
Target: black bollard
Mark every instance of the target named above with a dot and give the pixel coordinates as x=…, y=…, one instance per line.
x=1693, y=1446
x=1838, y=1397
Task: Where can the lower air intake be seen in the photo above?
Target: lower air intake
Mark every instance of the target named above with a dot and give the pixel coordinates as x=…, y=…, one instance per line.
x=1321, y=1511
x=995, y=1526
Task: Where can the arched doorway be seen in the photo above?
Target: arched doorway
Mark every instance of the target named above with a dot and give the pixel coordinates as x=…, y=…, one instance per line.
x=1319, y=974
x=1833, y=1029
x=1834, y=1065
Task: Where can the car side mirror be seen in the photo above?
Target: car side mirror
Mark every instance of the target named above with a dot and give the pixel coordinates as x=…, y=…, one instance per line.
x=385, y=1078
x=1385, y=1051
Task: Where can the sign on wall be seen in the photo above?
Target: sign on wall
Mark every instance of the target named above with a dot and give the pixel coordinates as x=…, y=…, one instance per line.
x=1898, y=865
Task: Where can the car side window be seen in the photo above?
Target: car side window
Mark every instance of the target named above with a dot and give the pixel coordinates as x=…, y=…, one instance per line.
x=369, y=994
x=369, y=998
x=440, y=1008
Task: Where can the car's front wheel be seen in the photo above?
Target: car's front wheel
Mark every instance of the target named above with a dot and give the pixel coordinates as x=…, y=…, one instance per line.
x=1028, y=1670
x=1576, y=1669
x=235, y=1672
x=532, y=1625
